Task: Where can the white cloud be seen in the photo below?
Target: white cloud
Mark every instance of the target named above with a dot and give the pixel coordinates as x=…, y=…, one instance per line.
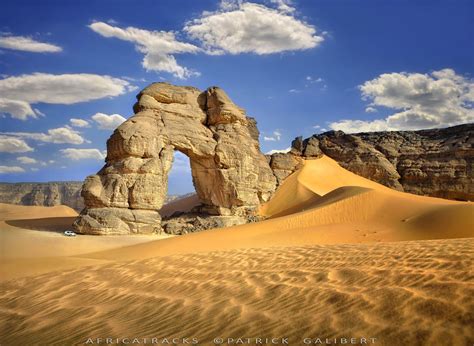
x=439, y=99
x=20, y=92
x=34, y=169
x=108, y=122
x=82, y=154
x=79, y=122
x=370, y=110
x=274, y=151
x=284, y=5
x=158, y=47
x=180, y=164
x=276, y=136
x=314, y=79
x=58, y=135
x=17, y=109
x=26, y=160
x=27, y=44
x=11, y=169
x=319, y=129
x=244, y=27
x=352, y=126
x=294, y=91
x=10, y=144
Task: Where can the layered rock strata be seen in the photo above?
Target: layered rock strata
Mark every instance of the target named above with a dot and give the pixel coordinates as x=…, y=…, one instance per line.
x=43, y=194
x=437, y=162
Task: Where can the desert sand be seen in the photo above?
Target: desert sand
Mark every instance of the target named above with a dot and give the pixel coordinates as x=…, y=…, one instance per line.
x=338, y=257
x=31, y=240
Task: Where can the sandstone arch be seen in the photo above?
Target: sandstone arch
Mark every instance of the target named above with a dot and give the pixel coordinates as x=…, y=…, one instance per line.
x=230, y=174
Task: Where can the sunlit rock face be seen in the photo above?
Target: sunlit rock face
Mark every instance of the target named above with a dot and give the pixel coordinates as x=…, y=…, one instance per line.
x=436, y=162
x=230, y=174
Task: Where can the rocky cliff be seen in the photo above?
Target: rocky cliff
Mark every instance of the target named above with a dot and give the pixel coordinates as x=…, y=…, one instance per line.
x=43, y=194
x=437, y=162
x=50, y=194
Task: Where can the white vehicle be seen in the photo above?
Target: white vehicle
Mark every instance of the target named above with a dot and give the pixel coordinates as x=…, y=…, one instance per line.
x=70, y=233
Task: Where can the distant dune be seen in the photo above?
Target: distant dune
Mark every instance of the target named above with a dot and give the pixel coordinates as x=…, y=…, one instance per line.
x=338, y=256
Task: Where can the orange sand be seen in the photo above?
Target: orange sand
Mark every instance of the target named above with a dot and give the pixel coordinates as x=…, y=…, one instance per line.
x=339, y=256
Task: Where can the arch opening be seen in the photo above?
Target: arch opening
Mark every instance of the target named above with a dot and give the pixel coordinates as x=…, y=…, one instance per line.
x=181, y=194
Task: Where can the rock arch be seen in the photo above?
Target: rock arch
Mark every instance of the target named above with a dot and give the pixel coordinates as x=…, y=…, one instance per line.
x=230, y=174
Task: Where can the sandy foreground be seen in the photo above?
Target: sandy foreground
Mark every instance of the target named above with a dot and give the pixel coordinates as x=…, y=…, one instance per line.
x=339, y=257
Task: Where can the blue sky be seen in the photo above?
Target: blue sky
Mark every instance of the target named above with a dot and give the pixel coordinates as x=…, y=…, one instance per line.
x=299, y=67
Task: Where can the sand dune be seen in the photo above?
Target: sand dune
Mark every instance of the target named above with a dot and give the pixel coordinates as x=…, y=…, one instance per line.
x=14, y=212
x=402, y=293
x=339, y=256
x=31, y=240
x=334, y=214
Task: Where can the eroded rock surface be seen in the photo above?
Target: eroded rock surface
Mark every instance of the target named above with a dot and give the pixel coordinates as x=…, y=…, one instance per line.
x=230, y=174
x=43, y=194
x=438, y=162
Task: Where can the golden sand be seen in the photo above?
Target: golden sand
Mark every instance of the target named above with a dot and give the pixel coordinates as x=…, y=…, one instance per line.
x=340, y=256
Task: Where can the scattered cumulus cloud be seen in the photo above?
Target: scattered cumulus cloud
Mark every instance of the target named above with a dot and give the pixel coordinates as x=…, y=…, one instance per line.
x=82, y=154
x=26, y=160
x=18, y=93
x=284, y=6
x=158, y=47
x=79, y=122
x=10, y=144
x=353, y=126
x=108, y=122
x=17, y=109
x=274, y=151
x=60, y=135
x=245, y=27
x=370, y=110
x=313, y=80
x=438, y=99
x=319, y=129
x=11, y=169
x=27, y=44
x=276, y=136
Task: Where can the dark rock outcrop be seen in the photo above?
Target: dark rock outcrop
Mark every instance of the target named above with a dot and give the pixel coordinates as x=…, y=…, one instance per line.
x=437, y=162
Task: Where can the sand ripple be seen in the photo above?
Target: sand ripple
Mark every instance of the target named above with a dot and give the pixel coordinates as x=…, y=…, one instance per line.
x=407, y=293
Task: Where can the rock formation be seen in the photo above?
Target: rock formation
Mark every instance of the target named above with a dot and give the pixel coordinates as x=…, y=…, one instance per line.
x=50, y=194
x=230, y=174
x=437, y=162
x=43, y=194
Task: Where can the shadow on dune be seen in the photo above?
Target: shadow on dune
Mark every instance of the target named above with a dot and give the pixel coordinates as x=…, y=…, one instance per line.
x=48, y=224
